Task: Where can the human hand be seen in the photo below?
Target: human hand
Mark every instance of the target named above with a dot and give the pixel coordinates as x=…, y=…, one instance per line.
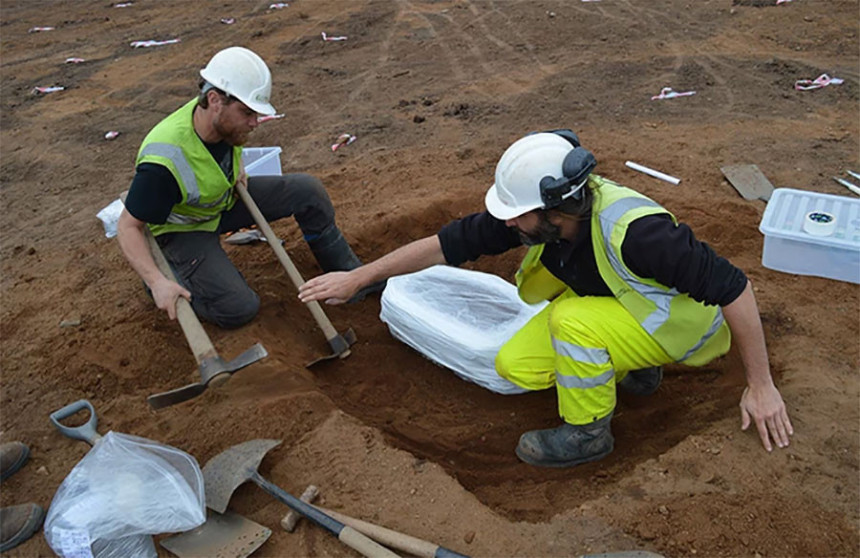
x=336, y=287
x=165, y=293
x=764, y=406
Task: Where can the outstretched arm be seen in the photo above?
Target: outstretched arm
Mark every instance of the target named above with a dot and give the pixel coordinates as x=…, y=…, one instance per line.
x=132, y=241
x=761, y=402
x=339, y=286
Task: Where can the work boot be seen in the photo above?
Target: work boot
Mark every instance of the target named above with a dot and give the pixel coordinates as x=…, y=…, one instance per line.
x=642, y=382
x=568, y=444
x=13, y=455
x=333, y=253
x=19, y=523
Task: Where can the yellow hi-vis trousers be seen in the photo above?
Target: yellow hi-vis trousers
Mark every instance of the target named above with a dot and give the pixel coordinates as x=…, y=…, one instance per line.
x=583, y=346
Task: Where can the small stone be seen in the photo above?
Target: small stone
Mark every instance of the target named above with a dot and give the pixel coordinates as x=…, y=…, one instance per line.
x=551, y=14
x=663, y=510
x=42, y=470
x=413, y=491
x=31, y=251
x=469, y=537
x=733, y=11
x=71, y=322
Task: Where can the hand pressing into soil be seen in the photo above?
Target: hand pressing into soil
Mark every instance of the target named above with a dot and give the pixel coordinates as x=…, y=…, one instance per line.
x=765, y=407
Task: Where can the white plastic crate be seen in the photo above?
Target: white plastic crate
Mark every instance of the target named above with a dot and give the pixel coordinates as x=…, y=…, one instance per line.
x=794, y=242
x=262, y=161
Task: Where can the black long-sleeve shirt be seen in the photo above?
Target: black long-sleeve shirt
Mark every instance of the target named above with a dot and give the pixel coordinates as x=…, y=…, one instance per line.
x=654, y=247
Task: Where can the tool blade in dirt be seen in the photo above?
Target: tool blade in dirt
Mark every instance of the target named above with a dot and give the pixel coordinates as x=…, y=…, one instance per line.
x=213, y=371
x=749, y=181
x=227, y=535
x=231, y=468
x=339, y=344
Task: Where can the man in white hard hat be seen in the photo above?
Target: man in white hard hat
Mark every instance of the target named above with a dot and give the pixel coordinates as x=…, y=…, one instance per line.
x=631, y=289
x=182, y=190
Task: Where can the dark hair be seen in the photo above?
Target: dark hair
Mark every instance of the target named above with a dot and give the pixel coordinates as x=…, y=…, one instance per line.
x=205, y=88
x=579, y=206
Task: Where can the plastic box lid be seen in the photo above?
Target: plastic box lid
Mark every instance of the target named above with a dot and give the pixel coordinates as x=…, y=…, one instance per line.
x=787, y=209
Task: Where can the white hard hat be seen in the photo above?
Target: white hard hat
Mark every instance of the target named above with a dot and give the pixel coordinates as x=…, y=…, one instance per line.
x=520, y=170
x=241, y=73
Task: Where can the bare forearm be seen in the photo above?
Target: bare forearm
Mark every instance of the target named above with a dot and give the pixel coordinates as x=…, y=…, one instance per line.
x=415, y=256
x=744, y=320
x=132, y=242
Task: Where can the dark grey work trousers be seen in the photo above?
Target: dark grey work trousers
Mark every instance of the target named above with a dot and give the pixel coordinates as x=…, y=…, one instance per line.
x=219, y=293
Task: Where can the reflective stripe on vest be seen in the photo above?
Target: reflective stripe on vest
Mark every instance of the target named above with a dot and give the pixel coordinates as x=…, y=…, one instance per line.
x=183, y=167
x=661, y=297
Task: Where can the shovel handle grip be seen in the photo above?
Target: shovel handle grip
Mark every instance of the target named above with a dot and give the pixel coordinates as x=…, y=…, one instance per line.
x=87, y=431
x=196, y=336
x=314, y=306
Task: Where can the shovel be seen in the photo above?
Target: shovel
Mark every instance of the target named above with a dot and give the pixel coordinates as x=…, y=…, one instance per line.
x=339, y=343
x=213, y=369
x=227, y=536
x=236, y=465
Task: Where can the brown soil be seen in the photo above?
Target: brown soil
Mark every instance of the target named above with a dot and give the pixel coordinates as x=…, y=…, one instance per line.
x=435, y=90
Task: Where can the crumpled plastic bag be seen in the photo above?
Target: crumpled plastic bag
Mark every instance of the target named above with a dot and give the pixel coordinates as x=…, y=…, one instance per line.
x=124, y=490
x=109, y=216
x=458, y=319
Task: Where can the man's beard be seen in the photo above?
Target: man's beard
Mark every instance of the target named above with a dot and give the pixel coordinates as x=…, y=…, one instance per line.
x=232, y=137
x=545, y=233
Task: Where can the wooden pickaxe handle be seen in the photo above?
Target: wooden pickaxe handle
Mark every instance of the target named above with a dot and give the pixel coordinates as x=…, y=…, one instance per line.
x=196, y=336
x=322, y=320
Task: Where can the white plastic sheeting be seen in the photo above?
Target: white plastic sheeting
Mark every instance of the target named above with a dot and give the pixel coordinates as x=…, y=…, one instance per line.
x=458, y=319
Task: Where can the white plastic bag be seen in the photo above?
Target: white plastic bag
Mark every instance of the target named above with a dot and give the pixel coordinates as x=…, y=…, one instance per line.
x=109, y=216
x=124, y=490
x=457, y=318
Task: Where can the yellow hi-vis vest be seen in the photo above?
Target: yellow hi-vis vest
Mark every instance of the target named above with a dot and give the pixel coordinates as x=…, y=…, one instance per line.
x=206, y=192
x=689, y=331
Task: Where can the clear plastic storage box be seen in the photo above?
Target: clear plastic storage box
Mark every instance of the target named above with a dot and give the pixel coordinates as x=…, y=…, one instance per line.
x=812, y=234
x=262, y=161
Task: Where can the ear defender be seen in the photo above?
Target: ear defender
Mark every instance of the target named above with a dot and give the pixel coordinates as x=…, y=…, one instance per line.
x=576, y=167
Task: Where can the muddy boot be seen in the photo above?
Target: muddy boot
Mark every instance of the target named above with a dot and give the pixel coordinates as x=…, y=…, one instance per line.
x=333, y=253
x=13, y=455
x=18, y=523
x=642, y=382
x=567, y=445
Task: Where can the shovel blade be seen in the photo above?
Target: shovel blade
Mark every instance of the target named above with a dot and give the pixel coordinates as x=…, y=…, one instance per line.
x=232, y=467
x=227, y=535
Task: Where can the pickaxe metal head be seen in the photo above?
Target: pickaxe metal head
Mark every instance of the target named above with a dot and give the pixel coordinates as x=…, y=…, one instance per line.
x=213, y=370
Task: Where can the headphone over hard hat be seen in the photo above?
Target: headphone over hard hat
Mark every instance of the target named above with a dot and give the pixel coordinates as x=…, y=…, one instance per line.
x=538, y=171
x=241, y=73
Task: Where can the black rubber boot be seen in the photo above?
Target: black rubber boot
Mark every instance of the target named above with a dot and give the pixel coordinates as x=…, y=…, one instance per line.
x=19, y=523
x=642, y=382
x=333, y=253
x=568, y=444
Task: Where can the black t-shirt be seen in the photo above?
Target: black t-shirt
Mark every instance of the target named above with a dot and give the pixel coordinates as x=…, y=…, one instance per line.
x=154, y=191
x=654, y=247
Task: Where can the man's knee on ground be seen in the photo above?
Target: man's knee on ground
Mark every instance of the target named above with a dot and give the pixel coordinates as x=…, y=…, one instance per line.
x=235, y=310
